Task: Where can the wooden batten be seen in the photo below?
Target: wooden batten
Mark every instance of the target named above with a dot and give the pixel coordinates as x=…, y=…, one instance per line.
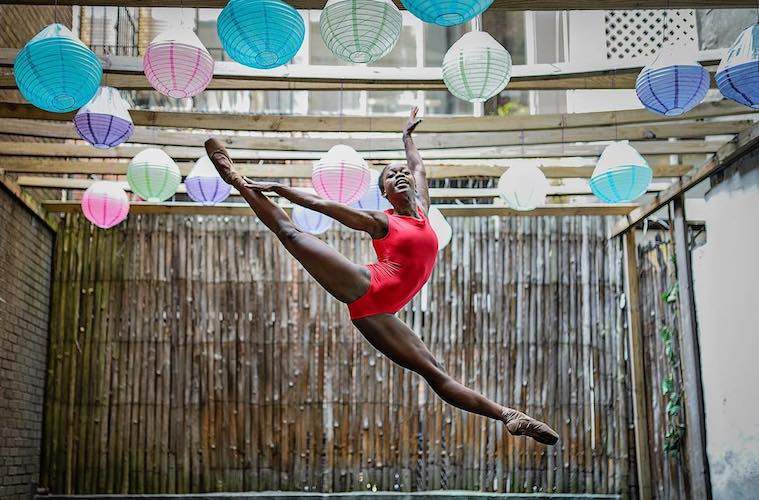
x=240, y=209
x=438, y=124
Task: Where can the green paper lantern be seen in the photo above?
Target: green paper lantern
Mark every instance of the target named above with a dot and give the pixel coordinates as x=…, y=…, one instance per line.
x=153, y=175
x=360, y=31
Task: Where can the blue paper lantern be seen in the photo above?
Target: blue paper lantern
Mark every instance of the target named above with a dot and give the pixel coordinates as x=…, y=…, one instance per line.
x=56, y=72
x=674, y=83
x=261, y=34
x=446, y=12
x=738, y=73
x=621, y=174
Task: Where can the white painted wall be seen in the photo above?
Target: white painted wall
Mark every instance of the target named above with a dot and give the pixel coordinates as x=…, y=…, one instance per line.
x=726, y=282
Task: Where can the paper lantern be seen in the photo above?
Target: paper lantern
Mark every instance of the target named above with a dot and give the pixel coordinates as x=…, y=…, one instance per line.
x=738, y=74
x=674, y=83
x=523, y=188
x=446, y=12
x=341, y=175
x=105, y=204
x=56, y=72
x=205, y=185
x=177, y=64
x=373, y=199
x=476, y=67
x=311, y=221
x=621, y=174
x=153, y=175
x=261, y=34
x=441, y=227
x=360, y=31
x=104, y=122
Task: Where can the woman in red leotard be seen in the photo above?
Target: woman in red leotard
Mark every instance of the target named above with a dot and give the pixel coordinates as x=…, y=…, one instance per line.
x=406, y=248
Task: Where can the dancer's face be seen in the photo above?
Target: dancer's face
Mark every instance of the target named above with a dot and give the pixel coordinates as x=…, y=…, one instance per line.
x=398, y=183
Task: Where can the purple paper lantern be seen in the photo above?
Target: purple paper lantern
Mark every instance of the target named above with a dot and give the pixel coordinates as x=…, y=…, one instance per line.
x=204, y=184
x=104, y=122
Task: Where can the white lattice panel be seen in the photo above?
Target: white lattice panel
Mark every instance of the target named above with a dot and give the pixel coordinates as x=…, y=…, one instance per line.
x=639, y=33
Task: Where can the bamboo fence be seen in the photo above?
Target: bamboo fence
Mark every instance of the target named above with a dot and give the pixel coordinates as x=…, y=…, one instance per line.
x=192, y=354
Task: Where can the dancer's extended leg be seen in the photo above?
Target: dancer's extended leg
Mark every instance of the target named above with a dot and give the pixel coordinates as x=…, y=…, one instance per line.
x=343, y=279
x=399, y=343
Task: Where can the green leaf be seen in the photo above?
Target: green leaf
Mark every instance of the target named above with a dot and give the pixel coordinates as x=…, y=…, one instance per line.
x=667, y=385
x=666, y=334
x=673, y=408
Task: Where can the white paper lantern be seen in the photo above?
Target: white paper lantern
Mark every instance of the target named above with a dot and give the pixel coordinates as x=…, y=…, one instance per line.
x=523, y=188
x=311, y=221
x=341, y=175
x=205, y=185
x=476, y=67
x=674, y=83
x=373, y=199
x=621, y=174
x=738, y=74
x=177, y=64
x=360, y=31
x=105, y=204
x=441, y=227
x=153, y=175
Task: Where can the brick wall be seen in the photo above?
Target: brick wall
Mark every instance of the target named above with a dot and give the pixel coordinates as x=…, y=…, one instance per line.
x=26, y=247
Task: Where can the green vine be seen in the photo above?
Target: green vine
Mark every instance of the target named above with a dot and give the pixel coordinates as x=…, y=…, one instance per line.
x=670, y=388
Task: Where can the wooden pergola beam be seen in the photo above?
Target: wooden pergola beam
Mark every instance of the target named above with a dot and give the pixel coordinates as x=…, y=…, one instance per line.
x=439, y=124
x=302, y=170
x=506, y=152
x=126, y=73
x=743, y=144
x=240, y=209
x=497, y=4
x=435, y=193
x=285, y=141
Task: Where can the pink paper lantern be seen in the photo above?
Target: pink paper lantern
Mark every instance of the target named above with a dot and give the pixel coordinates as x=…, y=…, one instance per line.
x=105, y=204
x=341, y=175
x=177, y=64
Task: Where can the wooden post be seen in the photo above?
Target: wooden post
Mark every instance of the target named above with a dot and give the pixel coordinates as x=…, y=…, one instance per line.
x=690, y=356
x=640, y=404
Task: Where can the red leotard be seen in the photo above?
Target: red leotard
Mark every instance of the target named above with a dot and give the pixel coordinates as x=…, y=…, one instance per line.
x=405, y=258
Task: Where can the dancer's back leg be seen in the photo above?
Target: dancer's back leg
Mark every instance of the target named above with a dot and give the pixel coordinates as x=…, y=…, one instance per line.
x=397, y=341
x=342, y=278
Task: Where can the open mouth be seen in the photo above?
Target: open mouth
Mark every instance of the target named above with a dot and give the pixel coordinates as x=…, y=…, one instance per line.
x=401, y=183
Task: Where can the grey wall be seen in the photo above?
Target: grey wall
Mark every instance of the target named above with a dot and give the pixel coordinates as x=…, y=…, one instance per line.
x=26, y=247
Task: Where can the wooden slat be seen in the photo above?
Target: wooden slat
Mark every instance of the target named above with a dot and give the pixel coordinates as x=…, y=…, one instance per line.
x=743, y=144
x=126, y=73
x=239, y=209
x=290, y=123
x=285, y=141
x=497, y=4
x=690, y=357
x=688, y=146
x=573, y=189
x=302, y=170
x=637, y=368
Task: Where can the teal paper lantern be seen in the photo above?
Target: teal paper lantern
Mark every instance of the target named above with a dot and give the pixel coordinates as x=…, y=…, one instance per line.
x=621, y=174
x=56, y=72
x=446, y=12
x=153, y=175
x=262, y=34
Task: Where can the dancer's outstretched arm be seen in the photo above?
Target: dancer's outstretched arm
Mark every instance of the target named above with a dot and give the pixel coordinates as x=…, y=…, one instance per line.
x=369, y=221
x=414, y=160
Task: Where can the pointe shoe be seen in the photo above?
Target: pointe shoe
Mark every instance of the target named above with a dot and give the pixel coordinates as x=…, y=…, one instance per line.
x=223, y=163
x=519, y=424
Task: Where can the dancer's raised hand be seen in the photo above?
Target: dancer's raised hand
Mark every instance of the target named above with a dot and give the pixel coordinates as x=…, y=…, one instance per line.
x=413, y=121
